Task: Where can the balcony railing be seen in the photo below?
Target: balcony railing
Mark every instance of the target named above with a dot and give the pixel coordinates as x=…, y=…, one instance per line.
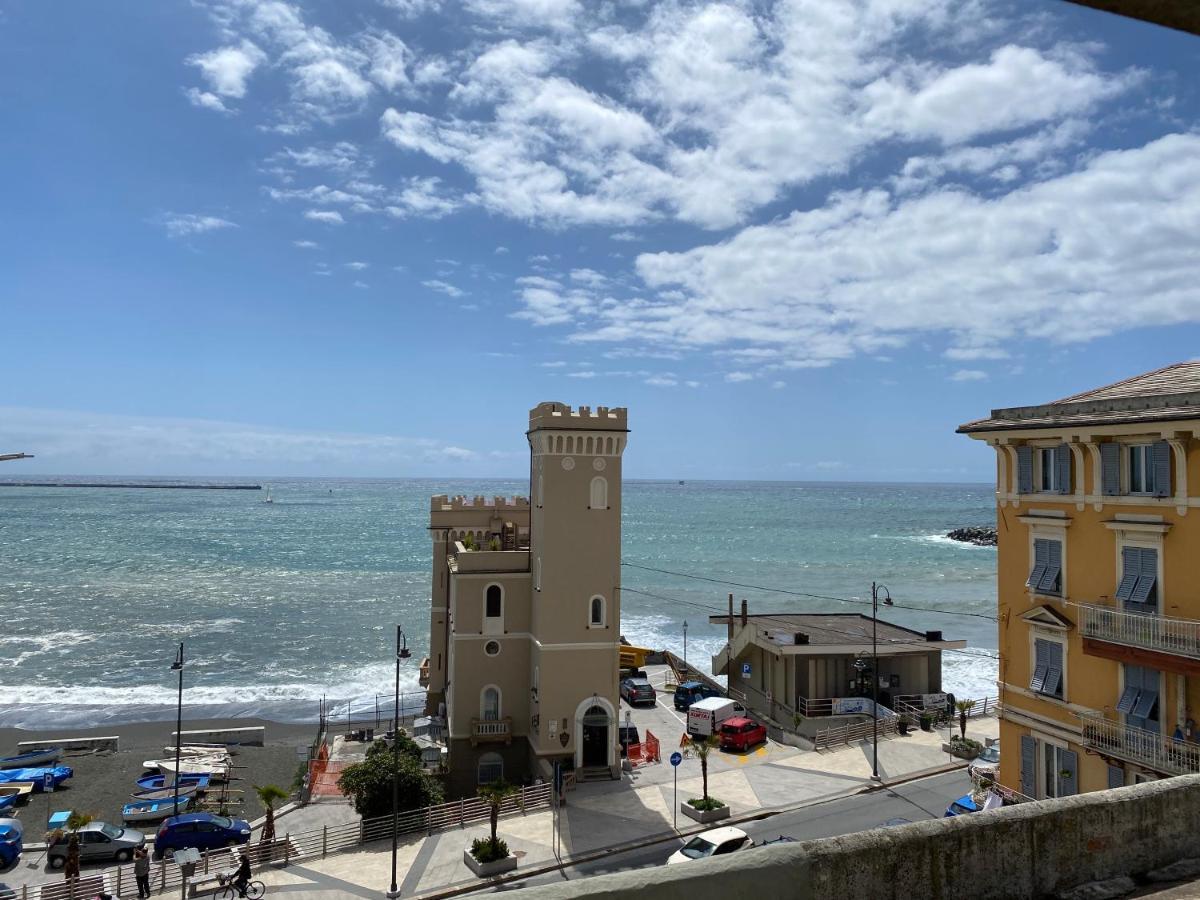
x=491, y=730
x=1179, y=637
x=1146, y=748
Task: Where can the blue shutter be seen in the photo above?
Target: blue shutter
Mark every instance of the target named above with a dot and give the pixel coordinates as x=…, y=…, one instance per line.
x=1160, y=459
x=1068, y=779
x=1128, y=696
x=1145, y=703
x=1025, y=470
x=1147, y=569
x=1051, y=582
x=1116, y=777
x=1062, y=464
x=1054, y=665
x=1130, y=570
x=1041, y=559
x=1028, y=765
x=1110, y=468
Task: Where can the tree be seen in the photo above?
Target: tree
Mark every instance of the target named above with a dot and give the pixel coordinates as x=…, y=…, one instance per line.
x=75, y=821
x=269, y=794
x=963, y=707
x=703, y=745
x=369, y=784
x=494, y=795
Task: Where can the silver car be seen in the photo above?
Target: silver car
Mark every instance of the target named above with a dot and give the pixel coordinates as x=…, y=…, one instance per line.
x=98, y=841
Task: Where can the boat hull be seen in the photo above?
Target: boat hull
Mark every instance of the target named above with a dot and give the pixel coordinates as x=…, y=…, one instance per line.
x=32, y=759
x=153, y=810
x=161, y=782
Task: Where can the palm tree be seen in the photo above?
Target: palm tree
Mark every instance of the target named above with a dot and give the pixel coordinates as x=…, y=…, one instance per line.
x=269, y=794
x=494, y=795
x=964, y=707
x=75, y=821
x=703, y=745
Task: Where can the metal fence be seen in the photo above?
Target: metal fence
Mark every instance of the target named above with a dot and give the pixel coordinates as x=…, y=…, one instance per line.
x=166, y=876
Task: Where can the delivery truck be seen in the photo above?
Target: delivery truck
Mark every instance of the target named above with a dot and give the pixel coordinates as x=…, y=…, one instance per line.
x=705, y=716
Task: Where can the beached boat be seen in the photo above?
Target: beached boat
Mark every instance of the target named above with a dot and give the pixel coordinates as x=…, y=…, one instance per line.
x=153, y=810
x=58, y=774
x=185, y=790
x=192, y=752
x=16, y=789
x=7, y=802
x=43, y=757
x=160, y=782
x=217, y=769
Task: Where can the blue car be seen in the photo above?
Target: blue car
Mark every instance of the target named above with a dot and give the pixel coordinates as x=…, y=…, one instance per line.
x=204, y=831
x=961, y=807
x=691, y=691
x=11, y=832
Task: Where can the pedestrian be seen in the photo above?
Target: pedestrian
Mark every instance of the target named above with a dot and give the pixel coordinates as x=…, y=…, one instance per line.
x=141, y=871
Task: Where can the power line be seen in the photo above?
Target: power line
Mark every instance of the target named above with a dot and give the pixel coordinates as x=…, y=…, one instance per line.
x=773, y=590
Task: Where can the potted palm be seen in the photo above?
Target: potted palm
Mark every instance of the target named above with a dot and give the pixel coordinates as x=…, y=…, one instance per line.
x=490, y=856
x=964, y=707
x=704, y=809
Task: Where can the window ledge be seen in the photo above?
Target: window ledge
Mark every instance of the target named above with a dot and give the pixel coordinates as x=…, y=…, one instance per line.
x=1147, y=527
x=1051, y=521
x=1035, y=596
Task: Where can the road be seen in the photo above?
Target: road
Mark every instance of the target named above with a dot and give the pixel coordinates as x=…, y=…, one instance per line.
x=926, y=798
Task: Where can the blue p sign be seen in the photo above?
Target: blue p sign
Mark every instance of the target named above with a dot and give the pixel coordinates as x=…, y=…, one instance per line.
x=676, y=758
x=48, y=782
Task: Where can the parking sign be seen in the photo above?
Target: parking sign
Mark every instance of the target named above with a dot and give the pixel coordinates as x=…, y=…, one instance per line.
x=48, y=782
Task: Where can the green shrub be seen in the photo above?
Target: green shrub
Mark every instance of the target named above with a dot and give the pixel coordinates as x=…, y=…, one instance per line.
x=369, y=784
x=486, y=850
x=705, y=804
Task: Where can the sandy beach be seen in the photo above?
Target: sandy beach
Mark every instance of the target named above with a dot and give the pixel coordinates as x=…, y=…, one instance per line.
x=103, y=782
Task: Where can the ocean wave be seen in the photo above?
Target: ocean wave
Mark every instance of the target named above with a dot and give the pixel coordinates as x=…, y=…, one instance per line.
x=939, y=539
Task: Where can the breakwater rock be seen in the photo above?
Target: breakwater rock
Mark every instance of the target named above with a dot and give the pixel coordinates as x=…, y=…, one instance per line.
x=979, y=535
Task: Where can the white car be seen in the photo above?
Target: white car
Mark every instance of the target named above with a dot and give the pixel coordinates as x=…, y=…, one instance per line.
x=986, y=764
x=717, y=842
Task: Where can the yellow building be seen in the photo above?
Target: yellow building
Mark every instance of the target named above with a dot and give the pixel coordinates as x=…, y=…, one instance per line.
x=1098, y=559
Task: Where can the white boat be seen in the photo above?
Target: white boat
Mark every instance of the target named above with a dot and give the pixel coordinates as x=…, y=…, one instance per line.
x=267, y=499
x=46, y=756
x=16, y=789
x=153, y=810
x=191, y=751
x=198, y=765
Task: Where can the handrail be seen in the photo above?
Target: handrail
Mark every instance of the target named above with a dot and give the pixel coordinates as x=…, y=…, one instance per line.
x=1148, y=748
x=1149, y=631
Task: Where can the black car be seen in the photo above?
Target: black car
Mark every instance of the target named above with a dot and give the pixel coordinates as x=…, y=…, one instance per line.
x=637, y=690
x=626, y=735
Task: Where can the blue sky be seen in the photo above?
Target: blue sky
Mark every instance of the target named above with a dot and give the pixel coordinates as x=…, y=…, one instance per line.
x=800, y=240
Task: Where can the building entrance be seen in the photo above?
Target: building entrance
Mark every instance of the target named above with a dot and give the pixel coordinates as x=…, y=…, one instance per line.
x=595, y=737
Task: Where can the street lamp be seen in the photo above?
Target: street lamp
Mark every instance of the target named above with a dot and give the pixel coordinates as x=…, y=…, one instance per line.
x=887, y=601
x=177, y=666
x=685, y=646
x=402, y=652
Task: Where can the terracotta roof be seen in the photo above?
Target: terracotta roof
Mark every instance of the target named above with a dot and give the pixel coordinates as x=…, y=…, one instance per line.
x=1167, y=394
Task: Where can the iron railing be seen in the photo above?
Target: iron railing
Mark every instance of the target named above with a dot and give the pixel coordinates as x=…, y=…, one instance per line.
x=1145, y=748
x=1179, y=637
x=484, y=730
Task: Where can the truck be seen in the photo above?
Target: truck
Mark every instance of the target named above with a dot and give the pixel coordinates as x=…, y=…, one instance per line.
x=705, y=716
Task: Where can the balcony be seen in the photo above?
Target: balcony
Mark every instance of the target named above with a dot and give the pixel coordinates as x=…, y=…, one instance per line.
x=1144, y=748
x=491, y=731
x=1144, y=631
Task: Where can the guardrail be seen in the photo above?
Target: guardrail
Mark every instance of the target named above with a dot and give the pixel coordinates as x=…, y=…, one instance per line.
x=166, y=876
x=1179, y=637
x=1146, y=748
x=856, y=731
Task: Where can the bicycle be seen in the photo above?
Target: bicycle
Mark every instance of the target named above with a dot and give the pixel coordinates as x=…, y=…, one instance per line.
x=228, y=890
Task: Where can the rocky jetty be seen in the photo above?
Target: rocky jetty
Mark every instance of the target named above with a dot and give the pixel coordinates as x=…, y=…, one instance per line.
x=979, y=535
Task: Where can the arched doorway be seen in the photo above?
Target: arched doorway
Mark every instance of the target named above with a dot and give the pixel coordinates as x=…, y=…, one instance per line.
x=595, y=737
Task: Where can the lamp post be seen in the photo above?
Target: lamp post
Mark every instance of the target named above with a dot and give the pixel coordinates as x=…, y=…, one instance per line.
x=887, y=600
x=402, y=652
x=177, y=666
x=685, y=646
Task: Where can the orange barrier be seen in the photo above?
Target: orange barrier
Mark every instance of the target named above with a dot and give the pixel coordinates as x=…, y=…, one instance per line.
x=652, y=751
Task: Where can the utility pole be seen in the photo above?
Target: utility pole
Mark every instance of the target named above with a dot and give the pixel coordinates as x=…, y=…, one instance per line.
x=875, y=589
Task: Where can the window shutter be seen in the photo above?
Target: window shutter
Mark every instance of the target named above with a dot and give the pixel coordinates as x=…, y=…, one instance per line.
x=1130, y=569
x=1062, y=465
x=1054, y=663
x=1147, y=569
x=1051, y=582
x=1116, y=777
x=1128, y=698
x=1068, y=779
x=1041, y=559
x=1160, y=457
x=1110, y=468
x=1028, y=765
x=1025, y=469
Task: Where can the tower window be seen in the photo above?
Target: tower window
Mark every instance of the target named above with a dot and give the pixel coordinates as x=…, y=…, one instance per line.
x=599, y=493
x=596, y=612
x=495, y=601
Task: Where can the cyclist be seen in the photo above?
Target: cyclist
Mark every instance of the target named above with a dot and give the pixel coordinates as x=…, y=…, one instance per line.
x=242, y=877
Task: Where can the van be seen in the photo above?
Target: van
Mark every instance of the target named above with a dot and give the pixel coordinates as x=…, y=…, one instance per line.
x=705, y=716
x=691, y=691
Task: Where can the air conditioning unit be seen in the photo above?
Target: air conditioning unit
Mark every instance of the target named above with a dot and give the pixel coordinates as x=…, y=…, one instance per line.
x=800, y=638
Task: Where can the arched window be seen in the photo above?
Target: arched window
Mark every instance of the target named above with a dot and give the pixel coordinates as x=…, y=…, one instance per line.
x=489, y=704
x=541, y=488
x=588, y=445
x=599, y=493
x=491, y=768
x=494, y=604
x=596, y=612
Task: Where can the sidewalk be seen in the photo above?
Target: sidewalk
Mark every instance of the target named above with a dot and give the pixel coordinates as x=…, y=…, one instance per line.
x=599, y=815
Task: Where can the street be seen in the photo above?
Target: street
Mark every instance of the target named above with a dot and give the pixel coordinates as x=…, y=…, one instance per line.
x=925, y=798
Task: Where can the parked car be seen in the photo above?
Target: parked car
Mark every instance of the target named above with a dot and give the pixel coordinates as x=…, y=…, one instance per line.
x=717, y=842
x=204, y=831
x=691, y=691
x=627, y=734
x=98, y=841
x=986, y=764
x=740, y=734
x=11, y=834
x=637, y=690
x=961, y=807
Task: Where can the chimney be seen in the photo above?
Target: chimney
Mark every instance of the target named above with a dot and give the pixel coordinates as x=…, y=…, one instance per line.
x=730, y=626
x=743, y=612
x=933, y=635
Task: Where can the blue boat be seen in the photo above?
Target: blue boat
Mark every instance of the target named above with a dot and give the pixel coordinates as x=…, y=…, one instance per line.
x=153, y=810
x=43, y=757
x=58, y=775
x=159, y=782
x=7, y=802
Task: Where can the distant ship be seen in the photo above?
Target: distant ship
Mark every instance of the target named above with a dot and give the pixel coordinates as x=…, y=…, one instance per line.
x=267, y=499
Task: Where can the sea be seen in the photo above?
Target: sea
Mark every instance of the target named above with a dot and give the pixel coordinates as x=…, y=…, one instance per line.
x=288, y=605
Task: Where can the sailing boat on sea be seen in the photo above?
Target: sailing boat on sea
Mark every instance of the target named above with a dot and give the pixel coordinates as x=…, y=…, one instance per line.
x=267, y=499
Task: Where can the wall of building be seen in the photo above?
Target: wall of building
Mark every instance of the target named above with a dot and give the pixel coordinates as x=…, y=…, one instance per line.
x=1029, y=850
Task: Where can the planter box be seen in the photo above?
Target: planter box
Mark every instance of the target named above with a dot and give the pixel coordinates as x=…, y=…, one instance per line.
x=487, y=870
x=704, y=816
x=960, y=752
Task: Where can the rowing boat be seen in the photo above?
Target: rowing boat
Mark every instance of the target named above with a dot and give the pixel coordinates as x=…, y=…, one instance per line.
x=41, y=757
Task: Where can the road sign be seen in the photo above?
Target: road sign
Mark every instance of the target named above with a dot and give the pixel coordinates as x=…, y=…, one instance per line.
x=48, y=782
x=676, y=758
x=745, y=670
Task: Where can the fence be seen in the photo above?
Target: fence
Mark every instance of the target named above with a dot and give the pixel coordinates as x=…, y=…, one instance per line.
x=905, y=709
x=330, y=839
x=646, y=752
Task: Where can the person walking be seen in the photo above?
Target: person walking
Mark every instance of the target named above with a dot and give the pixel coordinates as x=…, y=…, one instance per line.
x=141, y=871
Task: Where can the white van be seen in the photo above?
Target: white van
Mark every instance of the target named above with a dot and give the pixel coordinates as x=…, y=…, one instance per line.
x=705, y=716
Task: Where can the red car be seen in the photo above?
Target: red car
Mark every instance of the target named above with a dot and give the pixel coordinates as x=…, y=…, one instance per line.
x=740, y=733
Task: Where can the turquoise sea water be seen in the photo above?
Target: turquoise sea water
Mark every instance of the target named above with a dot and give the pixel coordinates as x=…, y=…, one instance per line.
x=280, y=604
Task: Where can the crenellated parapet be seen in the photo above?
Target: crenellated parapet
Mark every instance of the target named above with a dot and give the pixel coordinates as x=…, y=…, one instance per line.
x=562, y=416
x=445, y=503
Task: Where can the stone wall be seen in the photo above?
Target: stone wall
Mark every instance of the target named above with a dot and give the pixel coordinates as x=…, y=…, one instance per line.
x=1029, y=850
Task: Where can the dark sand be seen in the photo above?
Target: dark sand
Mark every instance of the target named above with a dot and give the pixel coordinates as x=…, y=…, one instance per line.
x=103, y=782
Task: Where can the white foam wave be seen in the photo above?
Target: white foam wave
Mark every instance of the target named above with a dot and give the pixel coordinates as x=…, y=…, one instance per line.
x=970, y=675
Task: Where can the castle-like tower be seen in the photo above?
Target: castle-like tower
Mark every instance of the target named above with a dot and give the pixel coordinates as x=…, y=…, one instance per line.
x=525, y=611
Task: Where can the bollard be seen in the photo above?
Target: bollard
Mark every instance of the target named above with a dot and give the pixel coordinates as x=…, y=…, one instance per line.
x=162, y=872
x=287, y=848
x=324, y=840
x=205, y=862
x=119, y=886
x=461, y=819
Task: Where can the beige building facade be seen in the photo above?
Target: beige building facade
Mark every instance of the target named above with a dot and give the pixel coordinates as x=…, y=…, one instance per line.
x=525, y=611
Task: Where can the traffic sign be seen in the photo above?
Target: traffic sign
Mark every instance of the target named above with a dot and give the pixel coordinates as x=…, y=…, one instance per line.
x=48, y=782
x=676, y=758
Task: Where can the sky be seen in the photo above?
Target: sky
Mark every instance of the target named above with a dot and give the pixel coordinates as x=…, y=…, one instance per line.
x=800, y=240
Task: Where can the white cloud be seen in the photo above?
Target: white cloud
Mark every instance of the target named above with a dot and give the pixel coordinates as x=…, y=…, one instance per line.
x=500, y=250
x=969, y=375
x=557, y=364
x=206, y=100
x=778, y=385
x=553, y=14
x=357, y=265
x=736, y=377
x=424, y=197
x=188, y=224
x=328, y=216
x=623, y=236
x=361, y=284
x=390, y=58
x=661, y=381
x=341, y=156
x=587, y=373
x=443, y=287
x=306, y=245
x=226, y=69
